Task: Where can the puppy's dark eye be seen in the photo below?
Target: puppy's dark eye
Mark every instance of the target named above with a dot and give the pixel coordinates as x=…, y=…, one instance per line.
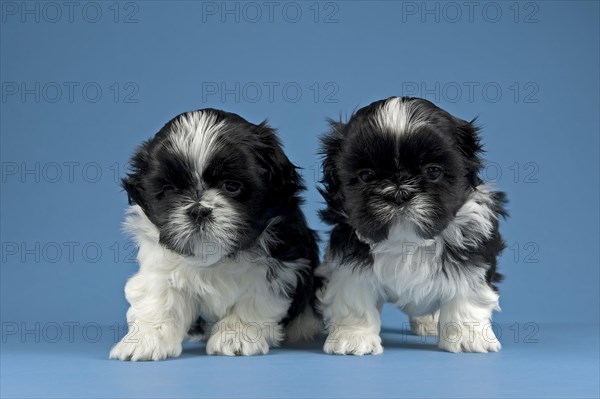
x=164, y=190
x=366, y=175
x=232, y=187
x=433, y=172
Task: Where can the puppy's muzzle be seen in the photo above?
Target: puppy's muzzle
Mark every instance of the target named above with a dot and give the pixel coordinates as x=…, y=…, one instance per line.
x=199, y=213
x=402, y=196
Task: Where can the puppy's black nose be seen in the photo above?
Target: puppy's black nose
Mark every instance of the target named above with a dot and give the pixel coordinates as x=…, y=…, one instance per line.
x=199, y=212
x=401, y=197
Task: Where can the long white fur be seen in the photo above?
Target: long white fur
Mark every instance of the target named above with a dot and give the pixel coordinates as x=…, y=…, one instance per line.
x=407, y=271
x=399, y=117
x=170, y=291
x=198, y=135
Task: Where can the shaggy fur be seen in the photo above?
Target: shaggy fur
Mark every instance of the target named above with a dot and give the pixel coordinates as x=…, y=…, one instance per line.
x=413, y=225
x=224, y=250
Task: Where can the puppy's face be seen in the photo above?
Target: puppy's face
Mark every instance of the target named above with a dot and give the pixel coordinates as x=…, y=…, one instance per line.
x=209, y=182
x=401, y=160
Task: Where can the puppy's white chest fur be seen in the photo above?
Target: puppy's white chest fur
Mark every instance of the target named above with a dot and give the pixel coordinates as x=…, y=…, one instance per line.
x=217, y=288
x=211, y=288
x=408, y=267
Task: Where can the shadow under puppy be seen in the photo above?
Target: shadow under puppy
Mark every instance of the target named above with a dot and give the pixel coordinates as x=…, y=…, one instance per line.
x=224, y=249
x=413, y=225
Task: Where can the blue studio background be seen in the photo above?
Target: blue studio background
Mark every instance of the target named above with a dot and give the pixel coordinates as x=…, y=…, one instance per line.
x=84, y=83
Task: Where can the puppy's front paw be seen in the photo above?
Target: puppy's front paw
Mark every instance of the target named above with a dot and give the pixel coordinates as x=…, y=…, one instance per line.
x=146, y=346
x=468, y=337
x=346, y=341
x=231, y=339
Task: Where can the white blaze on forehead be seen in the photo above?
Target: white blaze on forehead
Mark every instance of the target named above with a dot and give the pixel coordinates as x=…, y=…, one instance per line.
x=399, y=117
x=197, y=135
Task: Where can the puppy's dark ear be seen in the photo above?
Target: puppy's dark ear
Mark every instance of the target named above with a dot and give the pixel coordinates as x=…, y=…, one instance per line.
x=470, y=145
x=283, y=175
x=331, y=190
x=132, y=183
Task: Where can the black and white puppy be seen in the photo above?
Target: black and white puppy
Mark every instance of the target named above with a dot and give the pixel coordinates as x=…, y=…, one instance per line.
x=413, y=225
x=224, y=249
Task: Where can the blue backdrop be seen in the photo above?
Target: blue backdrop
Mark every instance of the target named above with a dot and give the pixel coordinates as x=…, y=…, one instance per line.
x=82, y=85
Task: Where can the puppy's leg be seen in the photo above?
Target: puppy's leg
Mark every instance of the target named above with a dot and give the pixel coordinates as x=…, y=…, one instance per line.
x=198, y=331
x=159, y=318
x=305, y=327
x=249, y=327
x=426, y=325
x=465, y=322
x=351, y=307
